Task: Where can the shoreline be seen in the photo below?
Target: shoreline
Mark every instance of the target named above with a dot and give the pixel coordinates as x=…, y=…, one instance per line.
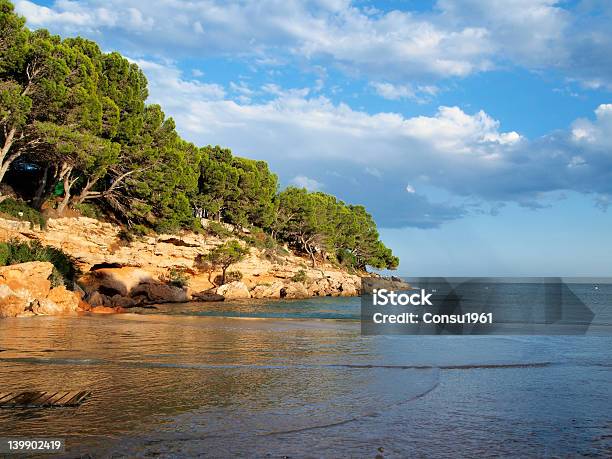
x=116, y=275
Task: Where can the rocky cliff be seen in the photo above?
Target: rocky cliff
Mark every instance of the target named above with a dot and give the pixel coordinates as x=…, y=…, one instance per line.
x=25, y=290
x=115, y=272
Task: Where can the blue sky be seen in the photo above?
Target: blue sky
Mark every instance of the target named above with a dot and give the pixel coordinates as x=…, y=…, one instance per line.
x=478, y=133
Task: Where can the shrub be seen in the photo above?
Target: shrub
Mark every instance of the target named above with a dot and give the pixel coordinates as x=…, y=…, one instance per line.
x=177, y=277
x=260, y=240
x=130, y=234
x=5, y=253
x=233, y=276
x=89, y=210
x=230, y=276
x=300, y=276
x=126, y=235
x=15, y=252
x=167, y=226
x=217, y=229
x=21, y=211
x=223, y=256
x=140, y=230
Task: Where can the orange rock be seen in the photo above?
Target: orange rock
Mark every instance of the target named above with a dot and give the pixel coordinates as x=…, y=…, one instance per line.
x=84, y=305
x=32, y=276
x=121, y=280
x=66, y=300
x=107, y=310
x=12, y=305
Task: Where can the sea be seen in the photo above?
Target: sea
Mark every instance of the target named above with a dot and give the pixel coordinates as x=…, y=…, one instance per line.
x=297, y=379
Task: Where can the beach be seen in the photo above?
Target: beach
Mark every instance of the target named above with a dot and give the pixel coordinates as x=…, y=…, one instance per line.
x=297, y=379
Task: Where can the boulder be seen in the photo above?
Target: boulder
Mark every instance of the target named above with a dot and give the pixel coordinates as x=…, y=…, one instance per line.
x=12, y=304
x=161, y=293
x=349, y=288
x=123, y=302
x=294, y=290
x=234, y=291
x=319, y=287
x=98, y=299
x=32, y=276
x=120, y=281
x=368, y=284
x=65, y=300
x=45, y=307
x=268, y=291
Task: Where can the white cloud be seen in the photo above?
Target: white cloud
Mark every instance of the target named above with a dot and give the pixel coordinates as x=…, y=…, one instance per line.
x=410, y=189
x=456, y=38
x=393, y=92
x=396, y=42
x=301, y=181
x=595, y=133
x=465, y=154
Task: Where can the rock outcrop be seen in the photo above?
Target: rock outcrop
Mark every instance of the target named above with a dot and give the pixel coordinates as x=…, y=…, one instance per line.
x=118, y=273
x=25, y=290
x=234, y=291
x=368, y=284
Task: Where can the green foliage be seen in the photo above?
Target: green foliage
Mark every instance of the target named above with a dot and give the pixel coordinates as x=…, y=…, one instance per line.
x=230, y=276
x=130, y=234
x=300, y=276
x=177, y=277
x=126, y=235
x=223, y=256
x=5, y=253
x=218, y=230
x=323, y=227
x=233, y=276
x=80, y=115
x=21, y=211
x=89, y=210
x=238, y=190
x=15, y=252
x=259, y=239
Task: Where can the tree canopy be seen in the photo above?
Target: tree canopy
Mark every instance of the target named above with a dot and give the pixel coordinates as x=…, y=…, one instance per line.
x=79, y=118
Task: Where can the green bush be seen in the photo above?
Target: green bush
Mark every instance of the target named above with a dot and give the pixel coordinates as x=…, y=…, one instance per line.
x=217, y=229
x=233, y=276
x=167, y=226
x=89, y=210
x=300, y=276
x=15, y=252
x=259, y=239
x=177, y=277
x=21, y=211
x=130, y=234
x=5, y=253
x=126, y=235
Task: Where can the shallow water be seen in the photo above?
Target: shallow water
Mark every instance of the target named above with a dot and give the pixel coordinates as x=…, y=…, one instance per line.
x=179, y=382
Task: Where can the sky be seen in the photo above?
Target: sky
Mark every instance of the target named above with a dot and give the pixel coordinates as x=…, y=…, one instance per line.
x=477, y=133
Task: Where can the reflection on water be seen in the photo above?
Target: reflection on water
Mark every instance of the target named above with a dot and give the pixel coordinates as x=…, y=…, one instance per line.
x=187, y=385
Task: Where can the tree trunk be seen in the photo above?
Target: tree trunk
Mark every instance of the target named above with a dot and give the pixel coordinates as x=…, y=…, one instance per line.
x=210, y=273
x=308, y=250
x=65, y=175
x=223, y=270
x=5, y=158
x=39, y=197
x=86, y=192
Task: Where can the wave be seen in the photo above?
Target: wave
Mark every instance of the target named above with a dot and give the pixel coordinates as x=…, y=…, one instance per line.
x=229, y=366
